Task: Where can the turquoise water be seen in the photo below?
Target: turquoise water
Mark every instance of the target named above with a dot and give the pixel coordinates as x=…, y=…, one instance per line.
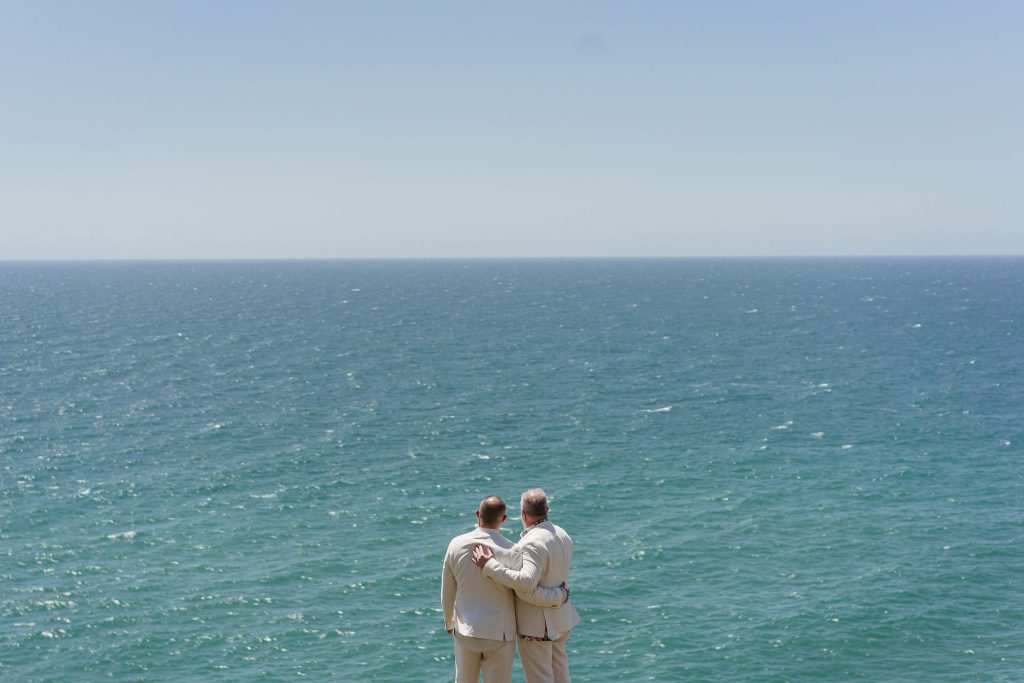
x=805, y=470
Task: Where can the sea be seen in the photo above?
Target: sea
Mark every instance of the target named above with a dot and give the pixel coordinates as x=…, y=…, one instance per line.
x=772, y=469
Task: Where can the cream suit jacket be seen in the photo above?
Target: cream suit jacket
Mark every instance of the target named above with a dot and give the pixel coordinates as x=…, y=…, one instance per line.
x=473, y=605
x=545, y=553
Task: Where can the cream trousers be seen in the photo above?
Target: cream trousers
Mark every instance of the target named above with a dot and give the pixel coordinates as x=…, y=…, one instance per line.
x=492, y=658
x=544, y=661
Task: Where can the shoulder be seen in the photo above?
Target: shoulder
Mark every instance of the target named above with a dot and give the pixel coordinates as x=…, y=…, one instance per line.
x=500, y=541
x=561, y=534
x=462, y=540
x=538, y=538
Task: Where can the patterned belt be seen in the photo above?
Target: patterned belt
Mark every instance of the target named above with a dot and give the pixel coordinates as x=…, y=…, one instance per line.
x=539, y=639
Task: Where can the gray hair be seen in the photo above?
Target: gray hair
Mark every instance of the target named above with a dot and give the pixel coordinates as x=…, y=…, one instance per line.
x=534, y=503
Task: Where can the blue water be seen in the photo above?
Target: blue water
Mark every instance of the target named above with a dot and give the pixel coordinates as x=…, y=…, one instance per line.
x=778, y=470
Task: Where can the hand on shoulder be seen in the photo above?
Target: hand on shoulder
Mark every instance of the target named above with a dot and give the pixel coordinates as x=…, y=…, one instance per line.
x=481, y=554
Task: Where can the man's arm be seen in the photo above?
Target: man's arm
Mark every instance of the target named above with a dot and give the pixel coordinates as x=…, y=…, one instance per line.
x=542, y=596
x=448, y=594
x=520, y=580
x=507, y=557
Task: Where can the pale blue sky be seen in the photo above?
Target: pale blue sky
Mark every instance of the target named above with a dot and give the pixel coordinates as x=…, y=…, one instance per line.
x=400, y=129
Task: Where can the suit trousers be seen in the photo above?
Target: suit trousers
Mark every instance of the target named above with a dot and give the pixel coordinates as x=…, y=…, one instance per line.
x=474, y=656
x=544, y=661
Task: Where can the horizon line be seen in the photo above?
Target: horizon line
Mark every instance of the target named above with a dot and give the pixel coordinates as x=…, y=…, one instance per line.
x=342, y=259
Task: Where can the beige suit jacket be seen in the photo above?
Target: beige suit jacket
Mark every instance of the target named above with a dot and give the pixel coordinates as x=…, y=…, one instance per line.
x=473, y=605
x=545, y=553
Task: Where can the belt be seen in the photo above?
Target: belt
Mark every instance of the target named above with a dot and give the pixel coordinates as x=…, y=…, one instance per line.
x=539, y=639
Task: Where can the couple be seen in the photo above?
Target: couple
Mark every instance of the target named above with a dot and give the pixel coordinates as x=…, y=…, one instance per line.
x=481, y=571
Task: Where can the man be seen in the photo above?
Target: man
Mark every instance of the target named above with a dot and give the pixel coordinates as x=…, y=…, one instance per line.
x=546, y=553
x=478, y=612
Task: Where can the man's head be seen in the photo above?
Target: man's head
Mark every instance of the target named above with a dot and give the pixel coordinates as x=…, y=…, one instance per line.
x=491, y=513
x=534, y=506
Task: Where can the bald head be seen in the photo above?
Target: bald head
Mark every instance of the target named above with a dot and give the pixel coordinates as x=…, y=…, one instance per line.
x=491, y=513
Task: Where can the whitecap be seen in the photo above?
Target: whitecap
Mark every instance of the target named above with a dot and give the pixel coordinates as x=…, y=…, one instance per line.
x=121, y=534
x=846, y=446
x=666, y=409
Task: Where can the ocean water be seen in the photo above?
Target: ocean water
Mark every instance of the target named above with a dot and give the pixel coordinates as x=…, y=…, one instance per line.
x=777, y=470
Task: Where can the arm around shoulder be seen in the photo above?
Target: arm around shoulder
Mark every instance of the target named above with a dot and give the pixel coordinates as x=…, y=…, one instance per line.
x=520, y=580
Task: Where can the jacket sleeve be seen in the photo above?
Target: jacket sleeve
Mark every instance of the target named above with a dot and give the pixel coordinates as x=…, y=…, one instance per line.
x=448, y=594
x=542, y=596
x=520, y=580
x=507, y=557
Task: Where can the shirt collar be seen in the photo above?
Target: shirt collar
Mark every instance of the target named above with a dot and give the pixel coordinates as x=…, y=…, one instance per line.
x=532, y=526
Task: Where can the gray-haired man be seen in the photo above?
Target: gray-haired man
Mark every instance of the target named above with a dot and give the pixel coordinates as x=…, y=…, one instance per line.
x=546, y=553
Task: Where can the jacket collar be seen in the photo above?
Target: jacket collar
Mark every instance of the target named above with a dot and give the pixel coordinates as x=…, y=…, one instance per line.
x=522, y=534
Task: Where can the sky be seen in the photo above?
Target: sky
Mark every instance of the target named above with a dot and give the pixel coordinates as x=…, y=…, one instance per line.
x=229, y=129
